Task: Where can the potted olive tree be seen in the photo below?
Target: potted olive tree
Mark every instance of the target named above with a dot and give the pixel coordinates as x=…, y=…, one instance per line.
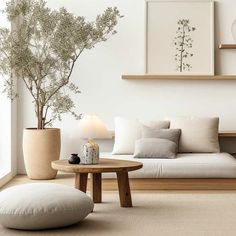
x=41, y=50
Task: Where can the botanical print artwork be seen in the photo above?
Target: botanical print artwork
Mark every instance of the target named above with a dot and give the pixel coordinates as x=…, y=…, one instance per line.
x=179, y=37
x=183, y=43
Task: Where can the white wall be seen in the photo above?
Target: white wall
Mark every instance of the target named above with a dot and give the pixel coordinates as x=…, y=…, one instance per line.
x=98, y=73
x=5, y=130
x=8, y=121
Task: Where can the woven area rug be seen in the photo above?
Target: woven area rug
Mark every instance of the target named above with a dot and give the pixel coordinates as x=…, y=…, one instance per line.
x=174, y=213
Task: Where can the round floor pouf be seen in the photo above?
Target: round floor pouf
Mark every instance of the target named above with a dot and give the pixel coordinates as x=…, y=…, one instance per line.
x=40, y=206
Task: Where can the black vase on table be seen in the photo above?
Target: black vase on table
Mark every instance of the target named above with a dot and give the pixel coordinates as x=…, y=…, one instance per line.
x=74, y=159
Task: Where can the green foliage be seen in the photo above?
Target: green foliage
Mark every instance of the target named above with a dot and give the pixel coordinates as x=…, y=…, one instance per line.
x=42, y=50
x=183, y=44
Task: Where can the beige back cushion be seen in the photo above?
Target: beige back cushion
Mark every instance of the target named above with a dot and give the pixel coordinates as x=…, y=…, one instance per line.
x=197, y=134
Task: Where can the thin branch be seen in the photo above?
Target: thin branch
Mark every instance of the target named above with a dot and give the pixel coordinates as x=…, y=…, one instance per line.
x=30, y=90
x=67, y=79
x=46, y=111
x=48, y=122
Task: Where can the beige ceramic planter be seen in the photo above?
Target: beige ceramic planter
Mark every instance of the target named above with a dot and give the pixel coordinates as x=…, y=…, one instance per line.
x=40, y=148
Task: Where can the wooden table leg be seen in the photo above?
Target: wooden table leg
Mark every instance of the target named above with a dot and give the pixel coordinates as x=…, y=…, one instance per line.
x=124, y=189
x=81, y=181
x=96, y=187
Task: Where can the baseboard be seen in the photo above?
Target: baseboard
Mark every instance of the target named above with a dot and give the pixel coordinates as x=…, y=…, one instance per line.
x=174, y=184
x=5, y=179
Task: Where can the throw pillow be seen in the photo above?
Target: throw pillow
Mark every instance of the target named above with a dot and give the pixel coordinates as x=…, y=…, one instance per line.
x=155, y=148
x=170, y=134
x=197, y=134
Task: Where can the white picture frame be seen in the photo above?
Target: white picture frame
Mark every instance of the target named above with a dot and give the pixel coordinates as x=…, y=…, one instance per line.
x=165, y=21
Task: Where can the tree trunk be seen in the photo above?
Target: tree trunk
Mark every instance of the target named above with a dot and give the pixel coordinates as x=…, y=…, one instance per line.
x=40, y=116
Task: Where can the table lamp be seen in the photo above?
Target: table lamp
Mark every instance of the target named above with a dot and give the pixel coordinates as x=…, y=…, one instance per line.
x=90, y=128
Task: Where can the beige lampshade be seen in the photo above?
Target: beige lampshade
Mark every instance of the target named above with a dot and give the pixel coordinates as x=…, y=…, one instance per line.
x=91, y=127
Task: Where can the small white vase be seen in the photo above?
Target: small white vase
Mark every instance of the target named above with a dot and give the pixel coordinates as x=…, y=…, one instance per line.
x=90, y=153
x=233, y=30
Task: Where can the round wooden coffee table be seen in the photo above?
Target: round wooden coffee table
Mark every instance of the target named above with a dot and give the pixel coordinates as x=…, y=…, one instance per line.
x=120, y=167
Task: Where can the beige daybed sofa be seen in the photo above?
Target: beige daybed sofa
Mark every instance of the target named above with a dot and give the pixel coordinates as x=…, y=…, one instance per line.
x=191, y=169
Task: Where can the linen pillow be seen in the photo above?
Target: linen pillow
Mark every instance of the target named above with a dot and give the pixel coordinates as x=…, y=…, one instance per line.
x=155, y=148
x=170, y=134
x=197, y=134
x=127, y=131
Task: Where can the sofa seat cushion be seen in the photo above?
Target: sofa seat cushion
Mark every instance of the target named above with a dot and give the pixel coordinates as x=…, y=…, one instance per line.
x=186, y=165
x=42, y=206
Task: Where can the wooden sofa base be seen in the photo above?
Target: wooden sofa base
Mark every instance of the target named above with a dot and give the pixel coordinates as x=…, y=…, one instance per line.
x=174, y=184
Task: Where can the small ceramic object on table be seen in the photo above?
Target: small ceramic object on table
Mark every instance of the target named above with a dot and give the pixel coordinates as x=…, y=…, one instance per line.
x=90, y=153
x=74, y=159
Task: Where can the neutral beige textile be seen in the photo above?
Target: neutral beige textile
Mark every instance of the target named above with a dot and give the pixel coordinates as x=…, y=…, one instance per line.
x=154, y=148
x=197, y=134
x=185, y=165
x=42, y=206
x=169, y=134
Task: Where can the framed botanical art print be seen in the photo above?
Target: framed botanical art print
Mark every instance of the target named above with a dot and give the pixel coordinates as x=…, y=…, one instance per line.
x=180, y=37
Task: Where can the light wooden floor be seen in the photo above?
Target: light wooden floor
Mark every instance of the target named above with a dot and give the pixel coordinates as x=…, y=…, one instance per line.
x=140, y=184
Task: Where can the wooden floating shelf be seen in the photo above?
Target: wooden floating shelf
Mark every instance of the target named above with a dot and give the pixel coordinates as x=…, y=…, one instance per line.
x=227, y=134
x=179, y=77
x=227, y=46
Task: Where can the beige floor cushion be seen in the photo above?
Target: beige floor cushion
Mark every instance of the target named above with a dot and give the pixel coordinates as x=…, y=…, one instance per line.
x=42, y=206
